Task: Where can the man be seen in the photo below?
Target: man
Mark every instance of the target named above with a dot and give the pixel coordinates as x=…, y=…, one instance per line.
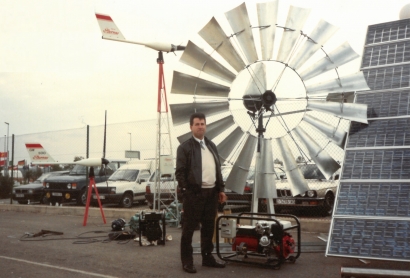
x=199, y=177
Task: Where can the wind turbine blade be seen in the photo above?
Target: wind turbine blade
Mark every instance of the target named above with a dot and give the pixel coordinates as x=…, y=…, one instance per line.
x=267, y=16
x=181, y=112
x=351, y=111
x=213, y=34
x=338, y=57
x=320, y=35
x=293, y=173
x=212, y=129
x=336, y=134
x=350, y=83
x=257, y=82
x=294, y=23
x=239, y=20
x=265, y=177
x=197, y=58
x=190, y=85
x=326, y=164
x=227, y=145
x=239, y=173
x=109, y=29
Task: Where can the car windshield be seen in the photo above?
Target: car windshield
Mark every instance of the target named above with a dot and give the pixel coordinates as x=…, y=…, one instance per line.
x=311, y=171
x=124, y=175
x=80, y=170
x=41, y=178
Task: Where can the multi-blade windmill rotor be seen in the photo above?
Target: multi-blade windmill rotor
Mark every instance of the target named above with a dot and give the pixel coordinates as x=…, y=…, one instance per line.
x=274, y=103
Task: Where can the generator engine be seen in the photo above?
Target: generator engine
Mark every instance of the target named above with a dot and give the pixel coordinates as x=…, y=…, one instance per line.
x=152, y=226
x=266, y=237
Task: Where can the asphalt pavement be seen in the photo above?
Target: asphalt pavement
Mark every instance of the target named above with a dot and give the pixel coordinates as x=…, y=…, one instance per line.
x=86, y=251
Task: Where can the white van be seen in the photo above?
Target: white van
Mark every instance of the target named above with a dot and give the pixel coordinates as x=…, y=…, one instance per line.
x=126, y=185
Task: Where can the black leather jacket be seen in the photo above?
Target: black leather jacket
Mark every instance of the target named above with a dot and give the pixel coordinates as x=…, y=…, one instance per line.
x=189, y=166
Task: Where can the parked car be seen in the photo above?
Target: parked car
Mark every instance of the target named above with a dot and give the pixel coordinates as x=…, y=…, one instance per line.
x=319, y=198
x=73, y=186
x=34, y=192
x=126, y=185
x=168, y=190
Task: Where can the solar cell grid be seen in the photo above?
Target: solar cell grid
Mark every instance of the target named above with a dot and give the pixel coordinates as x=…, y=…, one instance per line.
x=370, y=238
x=367, y=199
x=385, y=105
x=385, y=164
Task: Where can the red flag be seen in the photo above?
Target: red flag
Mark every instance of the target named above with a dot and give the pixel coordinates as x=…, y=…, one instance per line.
x=2, y=162
x=21, y=162
x=3, y=154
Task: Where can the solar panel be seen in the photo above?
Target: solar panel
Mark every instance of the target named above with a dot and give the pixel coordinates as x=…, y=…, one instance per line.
x=372, y=210
x=371, y=238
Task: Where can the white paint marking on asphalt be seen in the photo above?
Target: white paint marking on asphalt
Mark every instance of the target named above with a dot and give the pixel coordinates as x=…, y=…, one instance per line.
x=59, y=267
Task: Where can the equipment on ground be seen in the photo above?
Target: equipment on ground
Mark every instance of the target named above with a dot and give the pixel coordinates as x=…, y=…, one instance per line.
x=152, y=226
x=118, y=224
x=269, y=242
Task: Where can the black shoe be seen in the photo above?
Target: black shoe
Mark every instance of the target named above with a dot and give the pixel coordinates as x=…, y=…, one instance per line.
x=213, y=263
x=190, y=268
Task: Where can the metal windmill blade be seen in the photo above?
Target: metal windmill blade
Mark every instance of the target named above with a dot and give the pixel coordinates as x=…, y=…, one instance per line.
x=241, y=26
x=269, y=97
x=267, y=17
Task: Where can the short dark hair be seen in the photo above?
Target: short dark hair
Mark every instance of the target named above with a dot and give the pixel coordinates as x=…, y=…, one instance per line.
x=196, y=115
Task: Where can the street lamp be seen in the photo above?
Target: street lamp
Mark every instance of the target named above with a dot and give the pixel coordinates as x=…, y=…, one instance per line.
x=130, y=140
x=6, y=171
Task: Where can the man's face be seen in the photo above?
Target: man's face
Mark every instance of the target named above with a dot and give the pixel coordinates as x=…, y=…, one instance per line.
x=198, y=128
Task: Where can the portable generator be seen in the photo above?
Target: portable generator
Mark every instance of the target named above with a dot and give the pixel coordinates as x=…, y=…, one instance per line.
x=268, y=241
x=152, y=226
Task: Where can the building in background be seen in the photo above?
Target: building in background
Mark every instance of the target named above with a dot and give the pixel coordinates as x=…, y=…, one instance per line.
x=372, y=212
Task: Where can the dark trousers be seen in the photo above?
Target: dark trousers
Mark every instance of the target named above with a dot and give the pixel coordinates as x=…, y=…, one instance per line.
x=198, y=208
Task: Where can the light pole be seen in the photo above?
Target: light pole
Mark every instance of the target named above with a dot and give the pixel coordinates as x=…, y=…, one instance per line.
x=6, y=171
x=130, y=140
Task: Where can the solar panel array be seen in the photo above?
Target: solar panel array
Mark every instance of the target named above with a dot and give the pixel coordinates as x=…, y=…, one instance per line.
x=372, y=211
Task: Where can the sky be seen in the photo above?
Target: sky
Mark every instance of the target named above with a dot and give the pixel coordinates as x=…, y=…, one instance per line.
x=56, y=72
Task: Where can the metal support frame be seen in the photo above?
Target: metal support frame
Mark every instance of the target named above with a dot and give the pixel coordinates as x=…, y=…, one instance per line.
x=164, y=143
x=255, y=200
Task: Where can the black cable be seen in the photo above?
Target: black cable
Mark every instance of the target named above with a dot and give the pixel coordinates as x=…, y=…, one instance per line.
x=80, y=239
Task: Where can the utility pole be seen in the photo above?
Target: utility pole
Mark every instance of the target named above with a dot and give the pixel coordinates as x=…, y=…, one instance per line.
x=6, y=166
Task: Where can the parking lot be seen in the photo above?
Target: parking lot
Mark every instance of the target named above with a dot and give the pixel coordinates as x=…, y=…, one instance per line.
x=85, y=251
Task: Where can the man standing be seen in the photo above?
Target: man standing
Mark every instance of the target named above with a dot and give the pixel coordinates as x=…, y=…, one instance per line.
x=198, y=173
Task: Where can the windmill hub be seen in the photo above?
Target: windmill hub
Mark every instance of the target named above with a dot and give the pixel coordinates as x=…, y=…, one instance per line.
x=268, y=99
x=255, y=102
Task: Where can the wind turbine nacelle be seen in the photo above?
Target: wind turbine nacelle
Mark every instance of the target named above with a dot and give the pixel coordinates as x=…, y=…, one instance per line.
x=255, y=102
x=91, y=162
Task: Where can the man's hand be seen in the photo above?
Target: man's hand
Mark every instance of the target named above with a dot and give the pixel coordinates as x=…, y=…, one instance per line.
x=222, y=197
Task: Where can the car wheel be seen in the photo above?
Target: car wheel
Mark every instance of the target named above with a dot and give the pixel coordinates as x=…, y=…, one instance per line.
x=126, y=200
x=23, y=202
x=328, y=204
x=82, y=197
